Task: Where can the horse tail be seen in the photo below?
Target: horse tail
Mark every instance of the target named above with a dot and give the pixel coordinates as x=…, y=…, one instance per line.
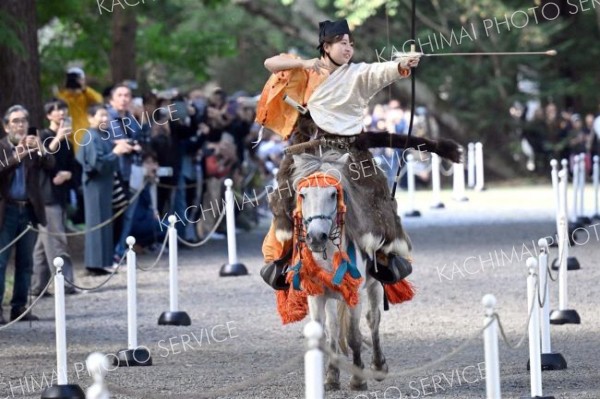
x=344, y=326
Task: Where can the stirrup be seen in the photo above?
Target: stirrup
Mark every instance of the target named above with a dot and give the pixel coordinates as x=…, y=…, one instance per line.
x=274, y=273
x=398, y=268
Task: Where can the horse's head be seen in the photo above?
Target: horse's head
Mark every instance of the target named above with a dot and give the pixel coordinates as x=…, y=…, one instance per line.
x=319, y=215
x=319, y=209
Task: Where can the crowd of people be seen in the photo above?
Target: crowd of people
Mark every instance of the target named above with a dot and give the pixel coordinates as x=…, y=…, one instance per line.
x=116, y=164
x=548, y=133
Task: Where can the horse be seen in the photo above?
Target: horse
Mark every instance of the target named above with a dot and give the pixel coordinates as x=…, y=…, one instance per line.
x=331, y=268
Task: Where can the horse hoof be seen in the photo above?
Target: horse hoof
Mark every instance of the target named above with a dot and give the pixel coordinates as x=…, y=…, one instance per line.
x=332, y=386
x=381, y=369
x=358, y=385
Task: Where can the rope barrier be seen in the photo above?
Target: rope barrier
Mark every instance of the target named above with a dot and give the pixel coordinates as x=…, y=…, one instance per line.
x=162, y=249
x=72, y=284
x=101, y=225
x=30, y=306
x=370, y=374
x=10, y=244
x=199, y=244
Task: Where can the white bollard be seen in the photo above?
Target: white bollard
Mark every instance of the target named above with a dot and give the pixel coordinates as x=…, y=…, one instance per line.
x=410, y=176
x=554, y=174
x=62, y=389
x=471, y=165
x=234, y=267
x=479, y=173
x=313, y=362
x=131, y=295
x=173, y=267
x=572, y=262
x=582, y=219
x=550, y=360
x=61, y=327
x=133, y=355
x=563, y=315
x=596, y=181
x=97, y=366
x=490, y=341
x=458, y=182
x=544, y=293
x=174, y=316
x=534, y=330
x=435, y=182
x=574, y=213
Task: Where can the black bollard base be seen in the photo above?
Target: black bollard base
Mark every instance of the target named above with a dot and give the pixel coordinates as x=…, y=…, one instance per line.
x=572, y=264
x=69, y=391
x=439, y=205
x=584, y=221
x=133, y=358
x=413, y=214
x=236, y=269
x=567, y=316
x=596, y=217
x=537, y=397
x=462, y=199
x=552, y=361
x=178, y=318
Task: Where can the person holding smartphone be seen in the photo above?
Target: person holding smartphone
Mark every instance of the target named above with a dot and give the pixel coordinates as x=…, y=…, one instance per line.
x=21, y=202
x=55, y=186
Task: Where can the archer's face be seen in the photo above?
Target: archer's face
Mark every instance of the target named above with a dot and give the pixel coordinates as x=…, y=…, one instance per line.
x=342, y=51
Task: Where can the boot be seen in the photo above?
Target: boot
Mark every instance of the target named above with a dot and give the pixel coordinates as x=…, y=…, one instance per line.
x=391, y=268
x=274, y=273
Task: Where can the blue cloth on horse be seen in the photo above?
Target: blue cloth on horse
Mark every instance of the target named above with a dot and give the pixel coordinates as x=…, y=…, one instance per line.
x=296, y=280
x=347, y=267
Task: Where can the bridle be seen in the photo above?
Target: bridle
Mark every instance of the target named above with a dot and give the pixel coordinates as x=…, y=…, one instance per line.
x=301, y=223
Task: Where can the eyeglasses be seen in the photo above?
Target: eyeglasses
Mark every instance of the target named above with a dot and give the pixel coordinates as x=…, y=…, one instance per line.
x=19, y=121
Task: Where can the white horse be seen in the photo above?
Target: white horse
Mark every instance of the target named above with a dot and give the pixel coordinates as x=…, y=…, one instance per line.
x=320, y=225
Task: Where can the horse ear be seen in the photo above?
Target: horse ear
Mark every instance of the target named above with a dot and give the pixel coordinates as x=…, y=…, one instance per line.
x=344, y=158
x=297, y=159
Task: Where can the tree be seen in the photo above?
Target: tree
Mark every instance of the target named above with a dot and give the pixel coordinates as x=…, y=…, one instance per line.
x=19, y=61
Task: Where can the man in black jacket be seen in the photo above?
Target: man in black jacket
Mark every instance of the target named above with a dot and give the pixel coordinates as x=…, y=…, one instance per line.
x=22, y=158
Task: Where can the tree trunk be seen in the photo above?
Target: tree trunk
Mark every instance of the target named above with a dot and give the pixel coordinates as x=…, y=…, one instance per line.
x=122, y=53
x=19, y=62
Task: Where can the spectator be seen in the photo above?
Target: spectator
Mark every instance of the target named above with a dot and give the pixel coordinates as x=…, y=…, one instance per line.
x=145, y=227
x=21, y=203
x=55, y=185
x=121, y=125
x=99, y=159
x=79, y=97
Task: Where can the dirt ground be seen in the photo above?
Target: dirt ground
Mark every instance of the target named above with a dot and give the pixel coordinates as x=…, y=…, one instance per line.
x=237, y=347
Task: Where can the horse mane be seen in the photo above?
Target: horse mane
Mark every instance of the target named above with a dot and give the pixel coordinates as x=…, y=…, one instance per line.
x=331, y=163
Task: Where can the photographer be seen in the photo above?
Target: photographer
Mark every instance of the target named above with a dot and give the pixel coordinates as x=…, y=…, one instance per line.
x=21, y=202
x=79, y=97
x=122, y=126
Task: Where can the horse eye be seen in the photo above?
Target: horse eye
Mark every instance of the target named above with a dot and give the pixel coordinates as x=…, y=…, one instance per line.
x=302, y=196
x=333, y=195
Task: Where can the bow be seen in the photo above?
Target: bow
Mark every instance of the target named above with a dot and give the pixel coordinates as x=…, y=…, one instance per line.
x=412, y=93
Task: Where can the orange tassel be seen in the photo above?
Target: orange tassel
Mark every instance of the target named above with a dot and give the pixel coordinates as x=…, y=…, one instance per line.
x=399, y=292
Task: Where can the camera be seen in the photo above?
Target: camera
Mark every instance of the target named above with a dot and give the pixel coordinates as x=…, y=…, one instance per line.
x=164, y=171
x=32, y=131
x=73, y=81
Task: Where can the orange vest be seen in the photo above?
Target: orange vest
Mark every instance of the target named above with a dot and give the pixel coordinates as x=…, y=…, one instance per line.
x=298, y=84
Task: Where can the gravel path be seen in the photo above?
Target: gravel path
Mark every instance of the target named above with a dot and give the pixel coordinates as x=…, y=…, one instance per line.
x=236, y=346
